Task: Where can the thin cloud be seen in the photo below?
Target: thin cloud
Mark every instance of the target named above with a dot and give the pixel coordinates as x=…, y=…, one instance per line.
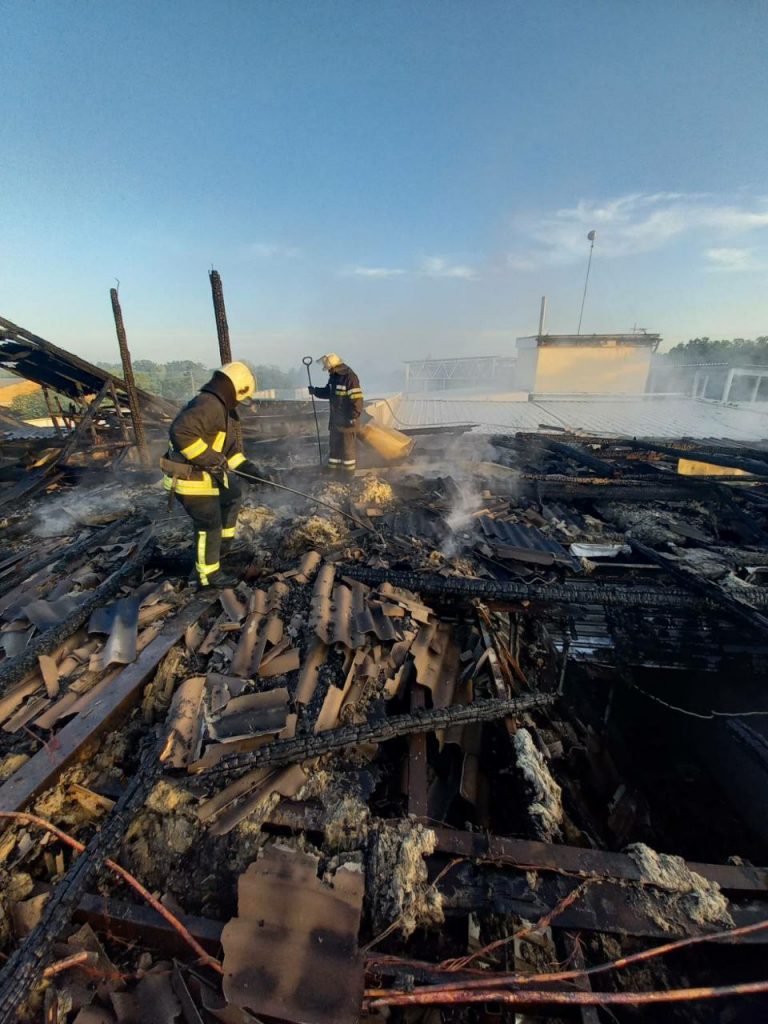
x=437, y=266
x=430, y=266
x=631, y=224
x=380, y=272
x=733, y=260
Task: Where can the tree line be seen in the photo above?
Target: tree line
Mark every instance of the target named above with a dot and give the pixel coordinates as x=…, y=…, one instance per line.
x=734, y=351
x=180, y=379
x=177, y=380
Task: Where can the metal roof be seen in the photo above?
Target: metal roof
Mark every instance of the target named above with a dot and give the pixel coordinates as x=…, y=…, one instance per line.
x=626, y=416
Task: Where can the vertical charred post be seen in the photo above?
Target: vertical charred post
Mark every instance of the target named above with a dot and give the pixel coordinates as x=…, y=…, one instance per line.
x=133, y=398
x=222, y=331
x=220, y=313
x=52, y=412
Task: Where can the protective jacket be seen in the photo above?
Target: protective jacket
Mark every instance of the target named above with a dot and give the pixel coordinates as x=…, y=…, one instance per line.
x=203, y=436
x=345, y=395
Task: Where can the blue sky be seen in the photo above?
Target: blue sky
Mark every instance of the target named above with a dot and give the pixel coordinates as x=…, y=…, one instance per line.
x=387, y=179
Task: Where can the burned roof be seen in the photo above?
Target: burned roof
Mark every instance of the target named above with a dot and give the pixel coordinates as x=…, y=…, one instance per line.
x=36, y=359
x=501, y=713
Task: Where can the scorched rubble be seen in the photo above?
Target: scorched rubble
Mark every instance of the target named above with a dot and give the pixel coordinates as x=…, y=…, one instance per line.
x=412, y=732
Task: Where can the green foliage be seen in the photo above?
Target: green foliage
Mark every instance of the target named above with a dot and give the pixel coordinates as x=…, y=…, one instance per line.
x=735, y=352
x=273, y=377
x=30, y=407
x=180, y=379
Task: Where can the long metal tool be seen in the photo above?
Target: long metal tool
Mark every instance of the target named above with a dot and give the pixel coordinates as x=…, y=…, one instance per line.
x=302, y=494
x=307, y=360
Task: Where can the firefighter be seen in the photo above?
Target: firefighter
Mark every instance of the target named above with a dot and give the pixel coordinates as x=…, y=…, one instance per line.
x=346, y=398
x=198, y=467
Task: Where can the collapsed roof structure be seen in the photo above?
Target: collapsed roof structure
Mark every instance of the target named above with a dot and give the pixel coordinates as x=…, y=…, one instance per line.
x=485, y=737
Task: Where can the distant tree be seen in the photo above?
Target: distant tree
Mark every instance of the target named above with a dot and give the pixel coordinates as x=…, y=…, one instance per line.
x=735, y=352
x=30, y=407
x=180, y=379
x=270, y=376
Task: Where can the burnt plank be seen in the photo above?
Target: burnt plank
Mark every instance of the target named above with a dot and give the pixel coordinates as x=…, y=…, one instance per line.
x=136, y=923
x=74, y=739
x=525, y=853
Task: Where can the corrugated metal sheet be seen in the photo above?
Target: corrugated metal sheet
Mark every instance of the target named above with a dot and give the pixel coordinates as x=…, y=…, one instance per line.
x=491, y=416
x=620, y=416
x=418, y=524
x=527, y=543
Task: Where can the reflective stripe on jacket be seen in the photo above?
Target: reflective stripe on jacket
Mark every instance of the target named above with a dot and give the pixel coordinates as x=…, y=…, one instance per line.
x=202, y=432
x=344, y=393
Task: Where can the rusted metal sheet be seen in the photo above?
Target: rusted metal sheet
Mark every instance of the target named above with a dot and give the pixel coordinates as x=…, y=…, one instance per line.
x=291, y=953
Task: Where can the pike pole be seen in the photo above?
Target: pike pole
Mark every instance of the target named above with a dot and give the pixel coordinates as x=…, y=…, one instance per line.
x=307, y=360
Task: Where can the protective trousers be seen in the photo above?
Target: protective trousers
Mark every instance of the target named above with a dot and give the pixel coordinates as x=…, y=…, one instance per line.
x=214, y=518
x=342, y=457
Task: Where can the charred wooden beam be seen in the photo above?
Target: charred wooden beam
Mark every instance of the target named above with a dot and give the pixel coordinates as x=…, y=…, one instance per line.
x=512, y=590
x=741, y=879
x=707, y=590
x=51, y=411
x=680, y=447
x=584, y=458
x=86, y=422
x=134, y=923
x=603, y=906
x=220, y=313
x=282, y=752
x=222, y=332
x=125, y=358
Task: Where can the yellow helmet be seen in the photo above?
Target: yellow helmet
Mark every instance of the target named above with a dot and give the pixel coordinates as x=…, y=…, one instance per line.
x=242, y=378
x=329, y=361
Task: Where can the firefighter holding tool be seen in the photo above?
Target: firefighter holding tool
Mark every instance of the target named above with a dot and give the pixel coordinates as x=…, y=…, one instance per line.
x=199, y=466
x=346, y=397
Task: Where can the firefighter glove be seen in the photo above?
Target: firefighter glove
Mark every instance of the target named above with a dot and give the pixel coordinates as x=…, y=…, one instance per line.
x=250, y=469
x=218, y=472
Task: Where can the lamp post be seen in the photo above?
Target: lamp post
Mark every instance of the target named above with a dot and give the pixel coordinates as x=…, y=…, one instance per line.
x=591, y=237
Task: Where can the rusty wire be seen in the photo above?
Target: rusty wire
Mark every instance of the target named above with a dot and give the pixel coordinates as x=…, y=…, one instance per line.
x=544, y=922
x=678, y=995
x=32, y=819
x=494, y=980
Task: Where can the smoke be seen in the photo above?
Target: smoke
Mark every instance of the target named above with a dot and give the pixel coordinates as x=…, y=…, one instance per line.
x=69, y=513
x=463, y=464
x=460, y=517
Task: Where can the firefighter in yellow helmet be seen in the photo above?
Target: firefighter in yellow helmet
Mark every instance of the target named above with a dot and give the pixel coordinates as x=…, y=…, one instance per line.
x=344, y=393
x=201, y=455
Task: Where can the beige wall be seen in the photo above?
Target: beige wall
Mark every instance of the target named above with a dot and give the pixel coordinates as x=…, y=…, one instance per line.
x=603, y=370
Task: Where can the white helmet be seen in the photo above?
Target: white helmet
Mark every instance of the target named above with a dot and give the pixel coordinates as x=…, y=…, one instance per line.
x=242, y=378
x=329, y=361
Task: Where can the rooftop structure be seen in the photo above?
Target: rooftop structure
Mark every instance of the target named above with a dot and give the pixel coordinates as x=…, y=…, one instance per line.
x=477, y=372
x=595, y=364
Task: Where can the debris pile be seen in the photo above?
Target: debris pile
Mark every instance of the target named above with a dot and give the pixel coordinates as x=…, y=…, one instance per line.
x=402, y=756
